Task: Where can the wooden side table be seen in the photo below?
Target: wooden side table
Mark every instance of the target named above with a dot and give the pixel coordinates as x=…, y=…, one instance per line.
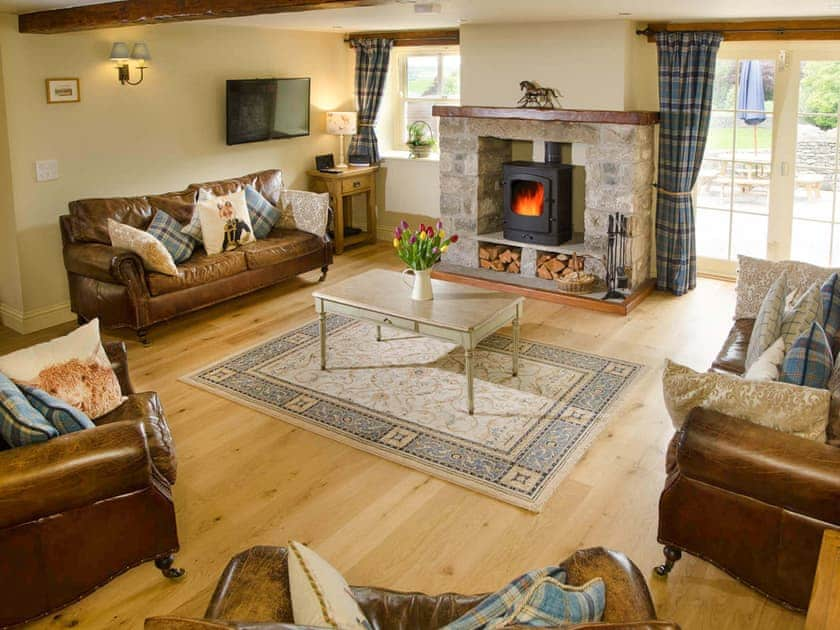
x=824, y=609
x=342, y=187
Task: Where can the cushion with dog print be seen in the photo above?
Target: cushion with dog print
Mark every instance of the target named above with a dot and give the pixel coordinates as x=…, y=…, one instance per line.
x=225, y=223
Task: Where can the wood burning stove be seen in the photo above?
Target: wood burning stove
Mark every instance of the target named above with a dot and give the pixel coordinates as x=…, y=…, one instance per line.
x=538, y=201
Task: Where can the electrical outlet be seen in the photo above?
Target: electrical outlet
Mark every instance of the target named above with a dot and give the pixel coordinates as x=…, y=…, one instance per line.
x=46, y=170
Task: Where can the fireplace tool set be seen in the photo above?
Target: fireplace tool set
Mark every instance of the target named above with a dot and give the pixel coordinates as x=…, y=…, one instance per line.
x=617, y=256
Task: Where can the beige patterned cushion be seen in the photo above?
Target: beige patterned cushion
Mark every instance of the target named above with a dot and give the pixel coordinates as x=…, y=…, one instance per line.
x=767, y=366
x=800, y=411
x=807, y=310
x=768, y=324
x=303, y=210
x=756, y=276
x=154, y=255
x=320, y=594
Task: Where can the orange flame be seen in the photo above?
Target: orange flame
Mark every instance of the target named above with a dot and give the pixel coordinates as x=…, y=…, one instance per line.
x=528, y=198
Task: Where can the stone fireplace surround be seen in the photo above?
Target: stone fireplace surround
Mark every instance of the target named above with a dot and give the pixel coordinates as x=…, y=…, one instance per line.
x=616, y=150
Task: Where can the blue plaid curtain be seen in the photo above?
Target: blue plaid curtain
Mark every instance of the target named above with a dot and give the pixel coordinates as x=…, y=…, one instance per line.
x=686, y=78
x=372, y=56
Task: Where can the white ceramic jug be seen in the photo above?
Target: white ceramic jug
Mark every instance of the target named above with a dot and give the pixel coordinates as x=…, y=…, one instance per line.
x=421, y=288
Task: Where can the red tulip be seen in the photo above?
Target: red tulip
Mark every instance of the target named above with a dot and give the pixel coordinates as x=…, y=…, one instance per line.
x=453, y=238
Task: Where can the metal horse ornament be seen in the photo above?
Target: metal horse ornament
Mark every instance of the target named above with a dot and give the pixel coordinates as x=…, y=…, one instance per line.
x=534, y=95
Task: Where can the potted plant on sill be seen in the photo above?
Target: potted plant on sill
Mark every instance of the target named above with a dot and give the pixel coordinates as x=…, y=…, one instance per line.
x=420, y=249
x=421, y=139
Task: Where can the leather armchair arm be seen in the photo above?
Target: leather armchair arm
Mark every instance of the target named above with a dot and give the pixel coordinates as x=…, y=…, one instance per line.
x=799, y=475
x=104, y=263
x=71, y=471
x=119, y=362
x=635, y=625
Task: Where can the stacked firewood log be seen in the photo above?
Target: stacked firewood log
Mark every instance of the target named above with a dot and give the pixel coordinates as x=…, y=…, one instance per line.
x=554, y=266
x=499, y=258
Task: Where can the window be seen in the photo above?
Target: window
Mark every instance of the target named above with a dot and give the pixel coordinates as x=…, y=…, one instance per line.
x=427, y=78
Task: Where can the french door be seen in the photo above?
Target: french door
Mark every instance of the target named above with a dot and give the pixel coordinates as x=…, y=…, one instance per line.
x=767, y=185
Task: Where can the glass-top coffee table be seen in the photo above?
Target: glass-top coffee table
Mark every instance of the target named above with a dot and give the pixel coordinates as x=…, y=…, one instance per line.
x=460, y=314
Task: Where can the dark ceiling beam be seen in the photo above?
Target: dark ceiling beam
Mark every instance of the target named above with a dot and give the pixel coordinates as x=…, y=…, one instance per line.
x=431, y=37
x=143, y=12
x=755, y=30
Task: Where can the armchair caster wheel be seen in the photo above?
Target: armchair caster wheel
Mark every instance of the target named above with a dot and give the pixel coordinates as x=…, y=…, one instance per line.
x=81, y=320
x=142, y=336
x=672, y=555
x=165, y=566
x=324, y=271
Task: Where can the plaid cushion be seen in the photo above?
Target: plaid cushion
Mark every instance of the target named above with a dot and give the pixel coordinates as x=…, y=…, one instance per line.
x=168, y=231
x=193, y=228
x=538, y=598
x=798, y=320
x=768, y=323
x=64, y=417
x=20, y=422
x=809, y=361
x=830, y=292
x=263, y=215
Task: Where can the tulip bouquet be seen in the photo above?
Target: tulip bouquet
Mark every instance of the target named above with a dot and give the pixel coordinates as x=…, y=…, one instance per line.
x=421, y=248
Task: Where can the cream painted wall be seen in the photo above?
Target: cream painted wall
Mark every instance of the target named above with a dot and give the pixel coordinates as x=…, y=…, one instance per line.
x=11, y=297
x=586, y=61
x=159, y=136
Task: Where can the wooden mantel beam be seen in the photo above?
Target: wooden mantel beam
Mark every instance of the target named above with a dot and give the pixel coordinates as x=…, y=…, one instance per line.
x=140, y=12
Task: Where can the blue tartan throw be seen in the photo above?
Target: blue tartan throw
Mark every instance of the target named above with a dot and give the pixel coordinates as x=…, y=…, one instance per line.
x=539, y=598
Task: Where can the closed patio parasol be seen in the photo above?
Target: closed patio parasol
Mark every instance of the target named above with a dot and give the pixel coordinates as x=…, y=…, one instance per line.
x=751, y=97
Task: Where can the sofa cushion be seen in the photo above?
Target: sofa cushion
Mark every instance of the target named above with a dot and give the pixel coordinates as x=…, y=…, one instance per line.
x=808, y=361
x=65, y=418
x=198, y=270
x=167, y=230
x=768, y=323
x=89, y=217
x=21, y=423
x=263, y=214
x=731, y=358
x=830, y=292
x=801, y=411
x=798, y=320
x=280, y=246
x=225, y=222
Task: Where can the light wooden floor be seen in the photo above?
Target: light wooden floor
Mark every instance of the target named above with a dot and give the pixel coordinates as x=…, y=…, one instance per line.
x=247, y=479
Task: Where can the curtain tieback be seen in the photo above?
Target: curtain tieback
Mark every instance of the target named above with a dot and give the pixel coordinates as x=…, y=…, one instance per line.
x=361, y=124
x=671, y=193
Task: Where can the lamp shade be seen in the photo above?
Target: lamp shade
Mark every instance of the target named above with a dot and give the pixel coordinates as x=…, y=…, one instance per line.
x=141, y=51
x=341, y=123
x=119, y=51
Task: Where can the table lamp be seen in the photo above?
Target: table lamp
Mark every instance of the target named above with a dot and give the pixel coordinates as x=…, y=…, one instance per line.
x=341, y=124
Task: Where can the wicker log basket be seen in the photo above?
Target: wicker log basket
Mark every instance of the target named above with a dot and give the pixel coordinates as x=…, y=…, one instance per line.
x=578, y=281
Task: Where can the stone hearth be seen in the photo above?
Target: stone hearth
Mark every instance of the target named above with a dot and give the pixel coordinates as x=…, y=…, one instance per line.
x=615, y=149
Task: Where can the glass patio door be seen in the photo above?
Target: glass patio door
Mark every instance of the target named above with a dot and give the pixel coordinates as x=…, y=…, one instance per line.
x=815, y=234
x=734, y=187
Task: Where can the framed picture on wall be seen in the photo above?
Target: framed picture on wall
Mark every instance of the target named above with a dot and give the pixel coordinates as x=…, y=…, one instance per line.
x=63, y=91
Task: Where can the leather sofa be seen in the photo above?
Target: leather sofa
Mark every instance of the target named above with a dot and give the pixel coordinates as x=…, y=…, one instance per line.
x=253, y=593
x=112, y=284
x=751, y=500
x=78, y=510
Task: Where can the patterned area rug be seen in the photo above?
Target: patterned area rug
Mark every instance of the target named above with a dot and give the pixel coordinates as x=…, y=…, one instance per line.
x=404, y=398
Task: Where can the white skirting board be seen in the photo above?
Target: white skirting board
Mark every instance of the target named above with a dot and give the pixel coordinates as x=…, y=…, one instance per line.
x=25, y=322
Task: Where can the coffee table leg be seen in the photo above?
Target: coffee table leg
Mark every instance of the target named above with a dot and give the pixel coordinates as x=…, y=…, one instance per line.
x=516, y=345
x=322, y=333
x=468, y=355
x=378, y=333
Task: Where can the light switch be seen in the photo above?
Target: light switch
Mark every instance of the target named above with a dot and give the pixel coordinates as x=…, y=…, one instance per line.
x=46, y=170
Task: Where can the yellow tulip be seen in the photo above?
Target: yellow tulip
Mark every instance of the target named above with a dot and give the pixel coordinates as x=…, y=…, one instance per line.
x=442, y=234
x=396, y=242
x=423, y=236
x=444, y=248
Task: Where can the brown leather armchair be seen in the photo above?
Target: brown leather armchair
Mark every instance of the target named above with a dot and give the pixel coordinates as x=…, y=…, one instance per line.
x=78, y=510
x=253, y=594
x=751, y=500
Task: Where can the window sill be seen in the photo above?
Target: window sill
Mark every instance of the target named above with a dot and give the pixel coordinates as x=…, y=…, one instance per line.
x=403, y=155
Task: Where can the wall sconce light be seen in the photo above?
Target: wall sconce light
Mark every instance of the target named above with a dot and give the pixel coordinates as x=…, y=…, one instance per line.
x=120, y=56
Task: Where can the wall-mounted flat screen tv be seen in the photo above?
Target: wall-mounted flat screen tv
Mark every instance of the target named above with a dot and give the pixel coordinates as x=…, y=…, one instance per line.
x=267, y=109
